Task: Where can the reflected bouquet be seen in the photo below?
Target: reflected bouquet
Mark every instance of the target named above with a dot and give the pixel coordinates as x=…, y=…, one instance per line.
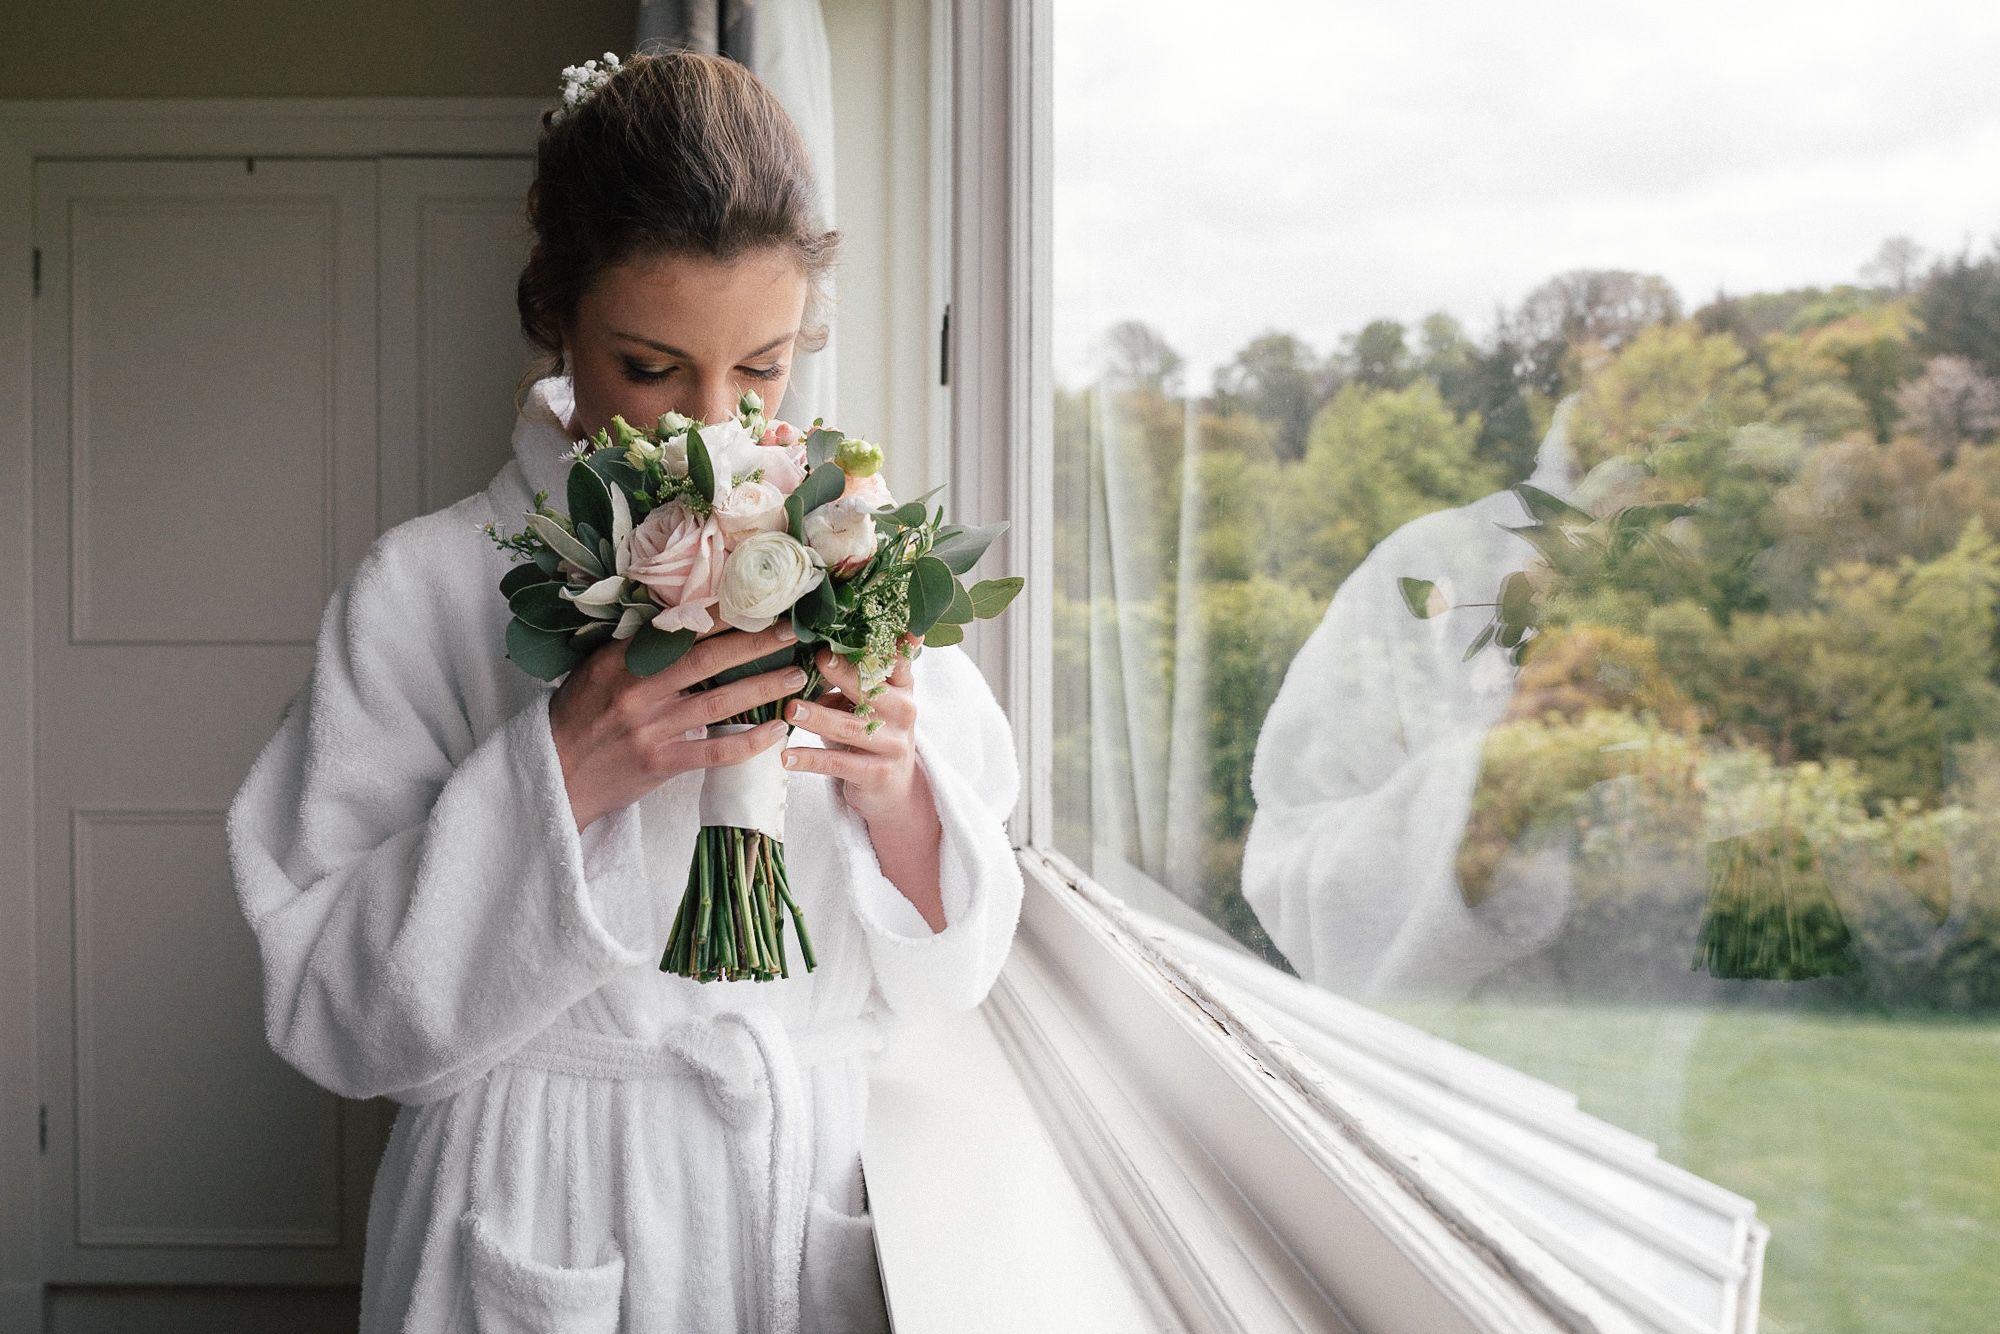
x=684, y=529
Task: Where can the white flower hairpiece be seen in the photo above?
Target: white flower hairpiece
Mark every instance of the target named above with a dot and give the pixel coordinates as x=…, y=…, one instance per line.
x=581, y=81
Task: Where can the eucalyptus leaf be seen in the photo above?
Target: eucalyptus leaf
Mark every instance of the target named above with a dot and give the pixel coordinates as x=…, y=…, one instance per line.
x=589, y=501
x=822, y=445
x=542, y=654
x=571, y=550
x=991, y=596
x=931, y=587
x=770, y=662
x=1517, y=599
x=522, y=575
x=610, y=464
x=795, y=516
x=1417, y=596
x=962, y=551
x=1485, y=638
x=546, y=562
x=543, y=606
x=700, y=471
x=960, y=611
x=822, y=484
x=1545, y=508
x=653, y=650
x=943, y=635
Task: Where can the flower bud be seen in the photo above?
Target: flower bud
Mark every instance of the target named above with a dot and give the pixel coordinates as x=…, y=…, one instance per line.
x=672, y=423
x=858, y=458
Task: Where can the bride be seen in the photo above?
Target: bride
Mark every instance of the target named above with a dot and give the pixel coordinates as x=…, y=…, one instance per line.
x=461, y=879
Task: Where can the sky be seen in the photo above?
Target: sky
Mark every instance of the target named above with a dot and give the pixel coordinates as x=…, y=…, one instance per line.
x=1309, y=165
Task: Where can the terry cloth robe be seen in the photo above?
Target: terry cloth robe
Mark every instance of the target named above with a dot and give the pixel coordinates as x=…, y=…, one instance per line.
x=586, y=1144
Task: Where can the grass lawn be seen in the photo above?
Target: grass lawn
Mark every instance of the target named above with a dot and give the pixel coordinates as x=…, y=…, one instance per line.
x=1871, y=1145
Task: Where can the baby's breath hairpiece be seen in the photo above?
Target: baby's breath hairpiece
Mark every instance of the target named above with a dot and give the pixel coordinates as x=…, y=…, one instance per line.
x=581, y=81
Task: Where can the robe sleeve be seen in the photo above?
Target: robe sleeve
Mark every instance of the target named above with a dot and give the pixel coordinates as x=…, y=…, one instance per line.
x=966, y=748
x=422, y=900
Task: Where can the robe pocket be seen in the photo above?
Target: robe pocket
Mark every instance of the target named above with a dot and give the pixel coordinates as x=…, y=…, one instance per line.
x=841, y=1292
x=513, y=1293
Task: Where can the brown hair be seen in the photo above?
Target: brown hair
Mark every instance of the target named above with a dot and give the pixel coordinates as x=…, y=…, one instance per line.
x=677, y=153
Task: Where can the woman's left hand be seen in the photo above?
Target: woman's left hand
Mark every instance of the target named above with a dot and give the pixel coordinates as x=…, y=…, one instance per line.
x=878, y=772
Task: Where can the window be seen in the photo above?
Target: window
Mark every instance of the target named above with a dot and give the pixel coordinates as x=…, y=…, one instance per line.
x=1524, y=488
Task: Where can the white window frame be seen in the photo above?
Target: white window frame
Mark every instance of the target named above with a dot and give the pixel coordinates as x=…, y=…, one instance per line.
x=1232, y=1185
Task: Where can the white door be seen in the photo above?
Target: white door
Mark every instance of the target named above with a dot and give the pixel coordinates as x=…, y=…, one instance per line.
x=243, y=370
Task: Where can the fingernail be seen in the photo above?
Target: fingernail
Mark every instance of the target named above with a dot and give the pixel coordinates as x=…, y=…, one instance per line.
x=798, y=709
x=786, y=632
x=795, y=677
x=791, y=760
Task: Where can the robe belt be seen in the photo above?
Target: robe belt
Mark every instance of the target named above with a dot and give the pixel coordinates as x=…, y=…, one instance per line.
x=702, y=1047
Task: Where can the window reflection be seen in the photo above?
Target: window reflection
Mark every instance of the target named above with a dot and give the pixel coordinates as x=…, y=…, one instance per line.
x=1607, y=684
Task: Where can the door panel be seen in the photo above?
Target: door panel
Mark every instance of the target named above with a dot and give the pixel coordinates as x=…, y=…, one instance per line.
x=204, y=475
x=454, y=237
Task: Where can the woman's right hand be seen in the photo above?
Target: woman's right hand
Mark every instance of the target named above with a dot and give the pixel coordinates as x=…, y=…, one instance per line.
x=619, y=736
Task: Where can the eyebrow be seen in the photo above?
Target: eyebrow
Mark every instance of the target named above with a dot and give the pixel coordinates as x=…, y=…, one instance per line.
x=672, y=351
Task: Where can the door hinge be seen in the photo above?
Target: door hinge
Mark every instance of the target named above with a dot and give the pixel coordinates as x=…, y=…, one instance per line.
x=45, y=1128
x=944, y=348
x=38, y=270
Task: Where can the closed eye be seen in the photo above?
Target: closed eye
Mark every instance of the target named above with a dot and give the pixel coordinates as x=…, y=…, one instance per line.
x=639, y=374
x=762, y=372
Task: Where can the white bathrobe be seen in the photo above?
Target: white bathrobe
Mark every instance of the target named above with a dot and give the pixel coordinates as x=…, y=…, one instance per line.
x=587, y=1144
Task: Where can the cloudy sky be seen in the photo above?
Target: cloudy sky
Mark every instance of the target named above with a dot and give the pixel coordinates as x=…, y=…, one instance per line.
x=1308, y=165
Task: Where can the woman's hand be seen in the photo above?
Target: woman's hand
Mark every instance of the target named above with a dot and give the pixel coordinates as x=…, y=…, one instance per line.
x=878, y=773
x=619, y=736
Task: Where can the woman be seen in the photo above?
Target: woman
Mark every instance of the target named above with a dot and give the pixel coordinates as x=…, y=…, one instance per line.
x=462, y=880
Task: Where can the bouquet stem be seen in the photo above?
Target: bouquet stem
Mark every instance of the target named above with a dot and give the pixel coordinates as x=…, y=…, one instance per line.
x=731, y=922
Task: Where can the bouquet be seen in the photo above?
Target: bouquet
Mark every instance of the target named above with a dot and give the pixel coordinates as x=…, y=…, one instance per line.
x=1770, y=912
x=684, y=529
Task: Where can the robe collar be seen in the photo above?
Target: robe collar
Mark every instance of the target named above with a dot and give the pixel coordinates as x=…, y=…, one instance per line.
x=542, y=436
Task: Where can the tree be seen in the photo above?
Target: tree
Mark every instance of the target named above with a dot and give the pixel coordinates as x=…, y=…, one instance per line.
x=1136, y=354
x=1277, y=377
x=1949, y=404
x=1605, y=307
x=1895, y=265
x=1959, y=307
x=1379, y=356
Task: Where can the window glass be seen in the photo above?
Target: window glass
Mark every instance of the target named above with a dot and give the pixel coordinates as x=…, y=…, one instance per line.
x=1527, y=484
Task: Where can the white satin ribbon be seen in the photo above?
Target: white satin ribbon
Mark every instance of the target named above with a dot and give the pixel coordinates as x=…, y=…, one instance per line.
x=749, y=794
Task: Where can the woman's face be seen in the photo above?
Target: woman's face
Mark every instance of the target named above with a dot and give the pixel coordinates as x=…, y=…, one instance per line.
x=686, y=334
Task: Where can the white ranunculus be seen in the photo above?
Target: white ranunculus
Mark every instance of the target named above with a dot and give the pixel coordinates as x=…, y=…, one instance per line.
x=842, y=532
x=763, y=577
x=753, y=507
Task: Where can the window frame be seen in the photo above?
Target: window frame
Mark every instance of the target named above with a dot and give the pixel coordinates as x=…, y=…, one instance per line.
x=1238, y=1187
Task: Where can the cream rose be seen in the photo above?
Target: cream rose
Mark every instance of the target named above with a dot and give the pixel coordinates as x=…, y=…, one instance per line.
x=763, y=577
x=842, y=532
x=752, y=507
x=678, y=558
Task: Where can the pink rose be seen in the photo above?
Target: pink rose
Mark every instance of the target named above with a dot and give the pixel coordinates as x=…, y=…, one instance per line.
x=782, y=434
x=678, y=558
x=784, y=466
x=750, y=507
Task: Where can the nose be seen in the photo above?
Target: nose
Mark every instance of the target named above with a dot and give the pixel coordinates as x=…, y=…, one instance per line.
x=714, y=399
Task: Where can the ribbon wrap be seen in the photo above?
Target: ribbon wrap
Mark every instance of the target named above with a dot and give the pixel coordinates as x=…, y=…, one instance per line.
x=746, y=795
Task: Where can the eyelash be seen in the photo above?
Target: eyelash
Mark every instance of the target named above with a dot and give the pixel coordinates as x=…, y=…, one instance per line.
x=638, y=374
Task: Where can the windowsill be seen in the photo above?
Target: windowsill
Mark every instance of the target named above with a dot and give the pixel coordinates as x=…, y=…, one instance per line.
x=1103, y=1145
x=978, y=1224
